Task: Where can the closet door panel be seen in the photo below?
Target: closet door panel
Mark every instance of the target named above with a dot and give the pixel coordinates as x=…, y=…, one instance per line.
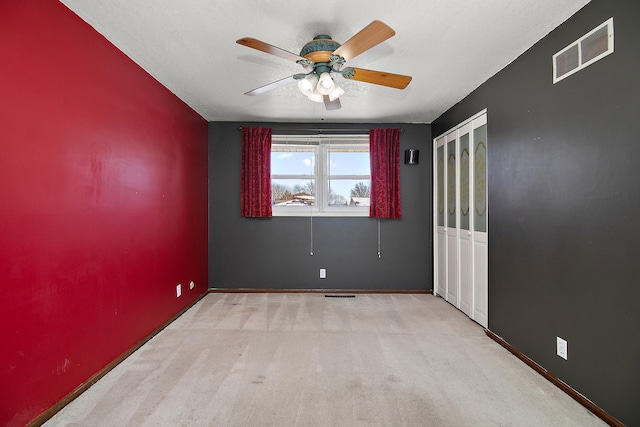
x=452, y=223
x=441, y=231
x=480, y=223
x=466, y=260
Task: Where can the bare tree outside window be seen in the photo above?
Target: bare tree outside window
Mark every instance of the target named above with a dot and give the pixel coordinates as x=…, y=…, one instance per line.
x=307, y=187
x=337, y=199
x=360, y=190
x=280, y=192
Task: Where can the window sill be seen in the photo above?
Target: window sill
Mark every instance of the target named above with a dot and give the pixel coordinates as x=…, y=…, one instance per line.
x=302, y=212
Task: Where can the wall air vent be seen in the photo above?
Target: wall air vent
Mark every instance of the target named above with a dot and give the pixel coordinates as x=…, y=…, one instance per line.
x=591, y=47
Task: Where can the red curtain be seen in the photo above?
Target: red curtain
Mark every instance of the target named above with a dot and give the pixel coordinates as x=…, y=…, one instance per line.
x=384, y=151
x=255, y=187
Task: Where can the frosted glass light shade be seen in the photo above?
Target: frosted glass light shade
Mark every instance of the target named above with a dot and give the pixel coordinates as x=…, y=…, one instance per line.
x=336, y=93
x=325, y=84
x=308, y=84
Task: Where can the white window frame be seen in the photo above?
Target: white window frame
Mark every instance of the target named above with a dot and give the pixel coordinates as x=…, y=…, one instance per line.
x=321, y=145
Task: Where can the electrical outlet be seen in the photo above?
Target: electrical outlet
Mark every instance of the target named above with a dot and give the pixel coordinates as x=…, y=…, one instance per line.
x=178, y=290
x=323, y=273
x=192, y=285
x=562, y=348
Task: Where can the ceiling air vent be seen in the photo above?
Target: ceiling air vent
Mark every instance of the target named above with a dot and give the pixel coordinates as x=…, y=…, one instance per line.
x=591, y=47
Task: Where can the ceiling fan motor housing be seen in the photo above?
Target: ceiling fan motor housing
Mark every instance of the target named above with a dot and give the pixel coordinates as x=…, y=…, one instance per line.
x=319, y=49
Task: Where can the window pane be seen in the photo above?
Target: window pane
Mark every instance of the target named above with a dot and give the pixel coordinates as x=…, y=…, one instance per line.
x=293, y=192
x=292, y=161
x=349, y=192
x=349, y=163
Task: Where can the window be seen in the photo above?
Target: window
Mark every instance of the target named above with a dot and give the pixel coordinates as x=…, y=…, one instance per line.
x=320, y=175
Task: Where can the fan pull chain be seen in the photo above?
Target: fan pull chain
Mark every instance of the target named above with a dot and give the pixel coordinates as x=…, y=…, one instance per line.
x=379, y=250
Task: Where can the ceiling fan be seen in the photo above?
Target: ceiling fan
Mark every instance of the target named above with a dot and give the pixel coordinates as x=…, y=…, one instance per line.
x=322, y=58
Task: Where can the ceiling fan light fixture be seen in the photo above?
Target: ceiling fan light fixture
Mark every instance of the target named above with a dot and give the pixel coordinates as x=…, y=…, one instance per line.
x=308, y=84
x=323, y=57
x=336, y=93
x=326, y=85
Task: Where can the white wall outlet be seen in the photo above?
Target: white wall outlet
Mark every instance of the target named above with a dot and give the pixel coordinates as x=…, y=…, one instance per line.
x=178, y=290
x=562, y=348
x=323, y=273
x=192, y=285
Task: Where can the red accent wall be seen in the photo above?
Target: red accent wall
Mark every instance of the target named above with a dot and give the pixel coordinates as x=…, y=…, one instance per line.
x=103, y=205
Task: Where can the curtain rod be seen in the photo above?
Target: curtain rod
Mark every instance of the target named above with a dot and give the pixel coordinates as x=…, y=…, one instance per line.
x=322, y=131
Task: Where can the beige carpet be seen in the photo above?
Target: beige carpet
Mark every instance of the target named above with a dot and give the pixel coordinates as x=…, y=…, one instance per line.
x=307, y=360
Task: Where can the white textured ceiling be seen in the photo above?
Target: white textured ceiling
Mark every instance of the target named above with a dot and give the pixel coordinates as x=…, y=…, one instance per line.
x=450, y=47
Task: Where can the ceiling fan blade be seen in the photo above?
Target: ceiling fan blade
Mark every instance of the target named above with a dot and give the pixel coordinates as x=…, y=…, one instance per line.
x=267, y=48
x=370, y=36
x=332, y=105
x=397, y=81
x=266, y=88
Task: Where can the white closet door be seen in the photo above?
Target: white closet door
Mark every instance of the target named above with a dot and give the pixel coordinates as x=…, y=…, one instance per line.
x=464, y=211
x=451, y=216
x=460, y=217
x=441, y=230
x=480, y=223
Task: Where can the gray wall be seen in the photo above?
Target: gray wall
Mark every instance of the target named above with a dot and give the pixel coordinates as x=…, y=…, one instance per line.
x=564, y=198
x=274, y=253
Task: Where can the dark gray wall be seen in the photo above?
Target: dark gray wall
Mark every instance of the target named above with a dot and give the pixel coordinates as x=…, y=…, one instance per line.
x=274, y=253
x=564, y=196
